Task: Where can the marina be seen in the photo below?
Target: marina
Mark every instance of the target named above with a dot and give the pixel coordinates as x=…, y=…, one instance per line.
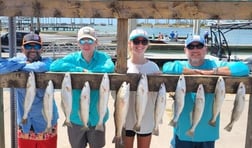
x=124, y=12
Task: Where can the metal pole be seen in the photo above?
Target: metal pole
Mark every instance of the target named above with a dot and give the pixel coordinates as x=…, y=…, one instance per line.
x=12, y=47
x=196, y=27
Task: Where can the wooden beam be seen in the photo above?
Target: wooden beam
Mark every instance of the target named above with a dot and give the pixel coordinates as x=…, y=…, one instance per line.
x=18, y=79
x=158, y=9
x=122, y=38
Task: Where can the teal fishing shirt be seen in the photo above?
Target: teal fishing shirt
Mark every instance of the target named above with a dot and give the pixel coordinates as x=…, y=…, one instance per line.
x=74, y=62
x=35, y=116
x=203, y=131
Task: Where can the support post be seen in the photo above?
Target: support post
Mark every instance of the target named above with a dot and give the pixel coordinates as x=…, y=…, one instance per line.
x=248, y=142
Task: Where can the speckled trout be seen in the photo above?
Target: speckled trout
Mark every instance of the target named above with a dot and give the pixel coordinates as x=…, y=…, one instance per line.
x=66, y=98
x=29, y=96
x=103, y=101
x=160, y=106
x=197, y=110
x=141, y=100
x=48, y=105
x=238, y=108
x=219, y=96
x=84, y=105
x=121, y=110
x=179, y=100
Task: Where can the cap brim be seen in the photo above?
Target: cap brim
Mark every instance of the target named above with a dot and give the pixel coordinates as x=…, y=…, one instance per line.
x=137, y=36
x=27, y=42
x=86, y=36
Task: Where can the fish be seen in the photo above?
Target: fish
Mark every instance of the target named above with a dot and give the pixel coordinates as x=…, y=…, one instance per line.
x=238, y=107
x=179, y=100
x=66, y=98
x=219, y=96
x=197, y=110
x=104, y=91
x=84, y=105
x=121, y=110
x=29, y=96
x=47, y=110
x=160, y=106
x=141, y=100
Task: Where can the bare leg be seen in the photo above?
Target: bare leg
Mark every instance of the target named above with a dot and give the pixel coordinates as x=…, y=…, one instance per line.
x=143, y=141
x=128, y=141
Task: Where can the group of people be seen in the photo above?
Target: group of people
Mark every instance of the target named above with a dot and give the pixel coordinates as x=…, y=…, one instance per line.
x=90, y=60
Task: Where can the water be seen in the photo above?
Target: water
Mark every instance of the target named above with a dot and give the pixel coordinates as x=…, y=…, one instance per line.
x=238, y=36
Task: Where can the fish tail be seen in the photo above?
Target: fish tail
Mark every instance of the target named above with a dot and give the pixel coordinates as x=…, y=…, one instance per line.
x=24, y=121
x=190, y=133
x=229, y=127
x=118, y=140
x=212, y=123
x=69, y=124
x=172, y=123
x=137, y=127
x=99, y=127
x=48, y=130
x=155, y=131
x=85, y=128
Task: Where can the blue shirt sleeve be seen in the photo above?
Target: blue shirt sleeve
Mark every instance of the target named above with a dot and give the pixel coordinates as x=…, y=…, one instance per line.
x=175, y=67
x=11, y=65
x=104, y=64
x=236, y=68
x=67, y=63
x=38, y=66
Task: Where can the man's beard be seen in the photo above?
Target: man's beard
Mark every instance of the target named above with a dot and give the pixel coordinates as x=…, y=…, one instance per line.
x=33, y=59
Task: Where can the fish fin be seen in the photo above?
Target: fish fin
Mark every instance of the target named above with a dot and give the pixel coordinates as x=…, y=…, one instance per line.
x=69, y=124
x=155, y=132
x=172, y=123
x=99, y=127
x=85, y=128
x=229, y=127
x=24, y=121
x=212, y=123
x=48, y=130
x=190, y=133
x=118, y=140
x=137, y=127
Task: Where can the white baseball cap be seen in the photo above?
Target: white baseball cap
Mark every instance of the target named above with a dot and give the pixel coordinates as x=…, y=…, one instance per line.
x=138, y=33
x=86, y=32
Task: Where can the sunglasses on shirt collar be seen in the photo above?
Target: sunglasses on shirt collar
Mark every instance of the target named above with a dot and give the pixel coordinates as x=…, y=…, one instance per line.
x=32, y=46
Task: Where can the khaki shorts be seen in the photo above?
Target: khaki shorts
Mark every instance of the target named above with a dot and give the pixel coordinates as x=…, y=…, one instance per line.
x=79, y=138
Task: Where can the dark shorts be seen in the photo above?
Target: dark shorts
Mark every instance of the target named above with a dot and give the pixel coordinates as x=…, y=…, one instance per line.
x=131, y=133
x=79, y=138
x=189, y=144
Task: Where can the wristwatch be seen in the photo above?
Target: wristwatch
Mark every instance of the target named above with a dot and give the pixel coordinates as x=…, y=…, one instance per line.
x=215, y=70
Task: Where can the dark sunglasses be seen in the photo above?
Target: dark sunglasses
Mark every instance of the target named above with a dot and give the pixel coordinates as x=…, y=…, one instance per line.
x=32, y=46
x=137, y=41
x=198, y=46
x=86, y=41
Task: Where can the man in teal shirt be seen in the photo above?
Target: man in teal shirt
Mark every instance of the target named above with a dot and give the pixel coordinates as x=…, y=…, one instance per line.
x=92, y=61
x=205, y=135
